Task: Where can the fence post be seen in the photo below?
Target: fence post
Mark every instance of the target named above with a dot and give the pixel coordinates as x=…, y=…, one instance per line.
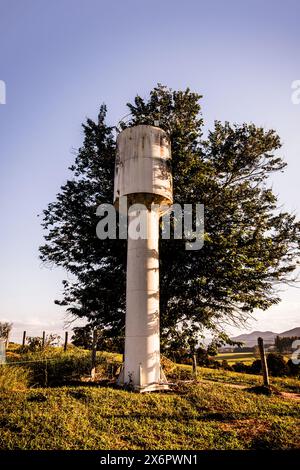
x=2, y=352
x=66, y=341
x=24, y=339
x=43, y=340
x=195, y=366
x=7, y=340
x=94, y=353
x=264, y=364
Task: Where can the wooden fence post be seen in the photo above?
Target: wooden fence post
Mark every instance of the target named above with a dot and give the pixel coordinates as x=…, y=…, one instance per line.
x=43, y=339
x=94, y=353
x=264, y=364
x=66, y=341
x=24, y=339
x=195, y=366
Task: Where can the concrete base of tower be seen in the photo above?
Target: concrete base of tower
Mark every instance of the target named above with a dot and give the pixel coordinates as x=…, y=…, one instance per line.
x=155, y=387
x=162, y=385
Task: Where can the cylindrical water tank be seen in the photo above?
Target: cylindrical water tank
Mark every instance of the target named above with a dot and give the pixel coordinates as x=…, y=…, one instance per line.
x=143, y=164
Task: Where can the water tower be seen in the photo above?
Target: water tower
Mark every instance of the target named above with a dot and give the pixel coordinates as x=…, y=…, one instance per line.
x=143, y=175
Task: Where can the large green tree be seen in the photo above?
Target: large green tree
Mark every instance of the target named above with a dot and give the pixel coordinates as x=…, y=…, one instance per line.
x=250, y=246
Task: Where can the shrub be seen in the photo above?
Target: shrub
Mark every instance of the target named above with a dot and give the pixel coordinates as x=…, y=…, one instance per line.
x=225, y=365
x=35, y=343
x=256, y=367
x=180, y=373
x=276, y=365
x=293, y=369
x=241, y=367
x=213, y=364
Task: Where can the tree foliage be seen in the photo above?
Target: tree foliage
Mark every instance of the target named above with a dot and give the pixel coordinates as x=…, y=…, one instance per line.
x=251, y=246
x=5, y=329
x=83, y=338
x=284, y=343
x=36, y=343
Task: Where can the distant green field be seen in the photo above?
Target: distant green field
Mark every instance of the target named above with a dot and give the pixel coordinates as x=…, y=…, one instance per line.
x=231, y=358
x=245, y=357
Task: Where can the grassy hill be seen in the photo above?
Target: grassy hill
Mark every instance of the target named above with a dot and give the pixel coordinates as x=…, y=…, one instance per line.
x=195, y=416
x=219, y=411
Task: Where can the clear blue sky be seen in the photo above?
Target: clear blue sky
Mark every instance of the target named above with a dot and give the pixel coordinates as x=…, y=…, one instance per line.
x=60, y=59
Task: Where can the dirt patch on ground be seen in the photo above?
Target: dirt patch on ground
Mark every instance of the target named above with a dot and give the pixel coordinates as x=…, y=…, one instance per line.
x=246, y=426
x=291, y=396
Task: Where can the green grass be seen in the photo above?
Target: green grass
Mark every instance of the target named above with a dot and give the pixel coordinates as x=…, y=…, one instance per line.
x=197, y=416
x=284, y=384
x=208, y=414
x=12, y=378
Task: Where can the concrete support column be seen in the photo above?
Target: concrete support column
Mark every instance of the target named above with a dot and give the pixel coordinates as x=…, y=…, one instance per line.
x=142, y=344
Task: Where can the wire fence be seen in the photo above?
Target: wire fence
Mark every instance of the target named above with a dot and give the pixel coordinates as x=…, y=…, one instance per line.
x=12, y=363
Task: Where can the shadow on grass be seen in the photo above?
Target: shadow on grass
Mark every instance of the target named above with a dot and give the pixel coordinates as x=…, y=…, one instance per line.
x=263, y=390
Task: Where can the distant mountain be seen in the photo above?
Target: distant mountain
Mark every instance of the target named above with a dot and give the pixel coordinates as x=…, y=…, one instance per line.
x=250, y=339
x=293, y=332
